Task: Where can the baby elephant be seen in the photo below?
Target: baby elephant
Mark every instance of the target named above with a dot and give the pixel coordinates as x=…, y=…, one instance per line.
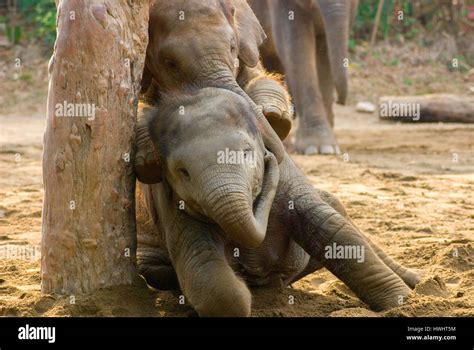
x=225, y=215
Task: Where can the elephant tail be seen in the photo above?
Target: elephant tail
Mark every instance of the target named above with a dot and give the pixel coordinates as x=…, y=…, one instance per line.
x=336, y=16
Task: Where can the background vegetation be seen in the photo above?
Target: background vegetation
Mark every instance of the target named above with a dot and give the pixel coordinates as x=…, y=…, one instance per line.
x=419, y=17
x=29, y=20
x=36, y=19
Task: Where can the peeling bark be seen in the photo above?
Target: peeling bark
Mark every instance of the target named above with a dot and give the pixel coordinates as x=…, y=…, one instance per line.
x=88, y=232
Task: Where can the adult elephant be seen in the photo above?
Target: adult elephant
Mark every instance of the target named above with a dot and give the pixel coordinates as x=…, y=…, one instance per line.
x=224, y=215
x=213, y=43
x=308, y=41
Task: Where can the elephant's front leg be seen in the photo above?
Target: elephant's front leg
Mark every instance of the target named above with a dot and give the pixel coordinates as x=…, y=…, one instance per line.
x=328, y=237
x=205, y=277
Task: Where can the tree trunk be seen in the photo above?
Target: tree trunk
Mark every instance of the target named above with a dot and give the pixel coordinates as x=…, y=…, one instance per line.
x=431, y=108
x=375, y=29
x=88, y=232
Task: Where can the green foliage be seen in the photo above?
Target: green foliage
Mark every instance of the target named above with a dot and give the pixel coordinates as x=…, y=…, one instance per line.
x=28, y=77
x=41, y=16
x=418, y=17
x=14, y=33
x=352, y=44
x=461, y=64
x=389, y=23
x=365, y=18
x=393, y=62
x=408, y=81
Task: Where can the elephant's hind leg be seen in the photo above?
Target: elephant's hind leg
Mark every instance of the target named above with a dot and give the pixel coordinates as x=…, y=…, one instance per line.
x=410, y=277
x=329, y=237
x=155, y=266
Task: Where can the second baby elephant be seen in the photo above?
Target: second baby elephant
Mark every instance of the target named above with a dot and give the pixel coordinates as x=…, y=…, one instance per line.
x=213, y=43
x=222, y=192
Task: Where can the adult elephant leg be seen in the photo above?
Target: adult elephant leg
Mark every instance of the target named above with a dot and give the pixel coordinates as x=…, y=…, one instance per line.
x=205, y=277
x=155, y=266
x=410, y=277
x=296, y=46
x=326, y=83
x=268, y=53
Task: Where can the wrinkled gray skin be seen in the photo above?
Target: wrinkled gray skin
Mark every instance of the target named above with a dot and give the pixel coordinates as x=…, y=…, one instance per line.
x=192, y=222
x=310, y=50
x=211, y=43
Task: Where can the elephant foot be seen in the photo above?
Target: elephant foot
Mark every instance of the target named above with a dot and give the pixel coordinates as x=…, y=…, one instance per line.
x=155, y=267
x=145, y=164
x=395, y=298
x=412, y=277
x=316, y=140
x=279, y=120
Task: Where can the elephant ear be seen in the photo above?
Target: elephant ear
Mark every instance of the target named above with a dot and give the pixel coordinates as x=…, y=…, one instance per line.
x=251, y=33
x=147, y=160
x=146, y=80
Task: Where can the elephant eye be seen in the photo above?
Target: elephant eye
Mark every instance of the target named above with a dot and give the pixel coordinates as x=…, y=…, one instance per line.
x=233, y=46
x=247, y=153
x=171, y=64
x=184, y=174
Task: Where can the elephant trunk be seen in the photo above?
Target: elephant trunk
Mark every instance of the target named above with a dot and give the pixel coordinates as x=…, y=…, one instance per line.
x=231, y=206
x=336, y=18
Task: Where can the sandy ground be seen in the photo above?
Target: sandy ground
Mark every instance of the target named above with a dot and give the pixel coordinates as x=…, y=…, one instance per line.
x=410, y=187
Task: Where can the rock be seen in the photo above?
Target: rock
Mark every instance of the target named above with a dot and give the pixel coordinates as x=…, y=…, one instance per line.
x=365, y=107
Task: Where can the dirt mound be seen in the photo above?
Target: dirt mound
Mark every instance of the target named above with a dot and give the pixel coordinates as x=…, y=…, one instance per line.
x=457, y=257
